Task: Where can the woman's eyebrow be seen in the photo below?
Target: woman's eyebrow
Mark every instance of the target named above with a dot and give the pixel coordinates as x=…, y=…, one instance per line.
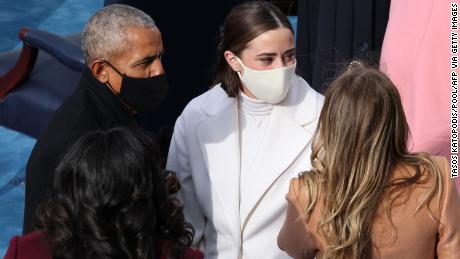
x=289, y=51
x=266, y=54
x=274, y=54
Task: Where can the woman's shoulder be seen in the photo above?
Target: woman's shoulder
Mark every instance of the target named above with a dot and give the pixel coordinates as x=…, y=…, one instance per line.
x=441, y=162
x=32, y=245
x=164, y=249
x=448, y=182
x=296, y=195
x=434, y=172
x=304, y=89
x=299, y=195
x=209, y=102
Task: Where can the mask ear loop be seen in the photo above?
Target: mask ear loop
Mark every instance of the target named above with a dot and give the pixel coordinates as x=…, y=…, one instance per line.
x=239, y=72
x=118, y=72
x=111, y=88
x=131, y=110
x=241, y=63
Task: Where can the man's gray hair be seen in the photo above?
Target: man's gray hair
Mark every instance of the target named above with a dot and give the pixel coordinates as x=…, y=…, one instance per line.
x=105, y=33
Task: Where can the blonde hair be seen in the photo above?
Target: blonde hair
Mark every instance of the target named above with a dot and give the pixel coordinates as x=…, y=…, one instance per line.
x=361, y=137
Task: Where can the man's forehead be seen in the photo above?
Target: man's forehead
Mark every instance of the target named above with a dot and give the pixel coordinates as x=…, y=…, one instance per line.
x=142, y=35
x=143, y=42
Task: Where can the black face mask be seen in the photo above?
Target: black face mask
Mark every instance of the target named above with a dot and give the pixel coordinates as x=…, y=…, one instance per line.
x=142, y=94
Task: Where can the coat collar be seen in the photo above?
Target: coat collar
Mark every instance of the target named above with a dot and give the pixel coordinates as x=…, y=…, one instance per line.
x=301, y=102
x=107, y=104
x=217, y=101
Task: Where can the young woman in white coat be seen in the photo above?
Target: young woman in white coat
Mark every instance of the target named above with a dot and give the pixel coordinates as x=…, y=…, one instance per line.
x=236, y=146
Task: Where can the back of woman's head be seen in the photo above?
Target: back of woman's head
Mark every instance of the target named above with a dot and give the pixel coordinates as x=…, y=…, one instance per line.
x=361, y=137
x=109, y=200
x=244, y=23
x=362, y=117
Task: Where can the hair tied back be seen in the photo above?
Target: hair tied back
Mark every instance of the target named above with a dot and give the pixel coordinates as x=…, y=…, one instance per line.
x=354, y=64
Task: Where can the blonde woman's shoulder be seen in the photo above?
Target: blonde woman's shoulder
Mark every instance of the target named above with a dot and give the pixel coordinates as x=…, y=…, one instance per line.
x=444, y=167
x=441, y=161
x=294, y=189
x=297, y=193
x=448, y=245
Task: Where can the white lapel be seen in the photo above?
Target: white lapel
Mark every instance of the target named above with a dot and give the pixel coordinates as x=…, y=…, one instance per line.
x=290, y=130
x=219, y=140
x=284, y=141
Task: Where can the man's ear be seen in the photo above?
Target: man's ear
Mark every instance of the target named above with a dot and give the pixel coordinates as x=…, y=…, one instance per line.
x=99, y=69
x=231, y=60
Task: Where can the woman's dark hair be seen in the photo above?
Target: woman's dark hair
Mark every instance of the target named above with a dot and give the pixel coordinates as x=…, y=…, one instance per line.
x=244, y=23
x=110, y=199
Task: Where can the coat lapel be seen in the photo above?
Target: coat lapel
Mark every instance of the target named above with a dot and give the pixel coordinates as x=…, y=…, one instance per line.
x=284, y=141
x=219, y=140
x=290, y=131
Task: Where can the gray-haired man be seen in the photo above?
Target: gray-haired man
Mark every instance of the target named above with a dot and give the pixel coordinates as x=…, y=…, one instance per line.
x=124, y=75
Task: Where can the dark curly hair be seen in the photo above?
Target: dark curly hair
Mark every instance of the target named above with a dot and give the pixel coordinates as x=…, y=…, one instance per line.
x=110, y=199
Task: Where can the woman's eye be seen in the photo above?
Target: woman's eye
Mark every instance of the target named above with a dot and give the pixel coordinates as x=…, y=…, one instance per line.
x=267, y=60
x=289, y=58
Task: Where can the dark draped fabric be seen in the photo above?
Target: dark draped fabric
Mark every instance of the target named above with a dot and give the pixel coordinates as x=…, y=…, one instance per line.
x=92, y=106
x=330, y=33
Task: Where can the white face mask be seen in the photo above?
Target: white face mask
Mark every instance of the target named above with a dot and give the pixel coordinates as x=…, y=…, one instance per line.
x=268, y=85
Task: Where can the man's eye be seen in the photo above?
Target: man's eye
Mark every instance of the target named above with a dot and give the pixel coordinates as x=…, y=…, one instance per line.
x=148, y=62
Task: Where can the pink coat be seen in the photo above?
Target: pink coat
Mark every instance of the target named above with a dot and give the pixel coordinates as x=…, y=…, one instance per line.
x=416, y=56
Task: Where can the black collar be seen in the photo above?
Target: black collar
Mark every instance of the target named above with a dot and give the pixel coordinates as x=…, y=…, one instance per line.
x=104, y=100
